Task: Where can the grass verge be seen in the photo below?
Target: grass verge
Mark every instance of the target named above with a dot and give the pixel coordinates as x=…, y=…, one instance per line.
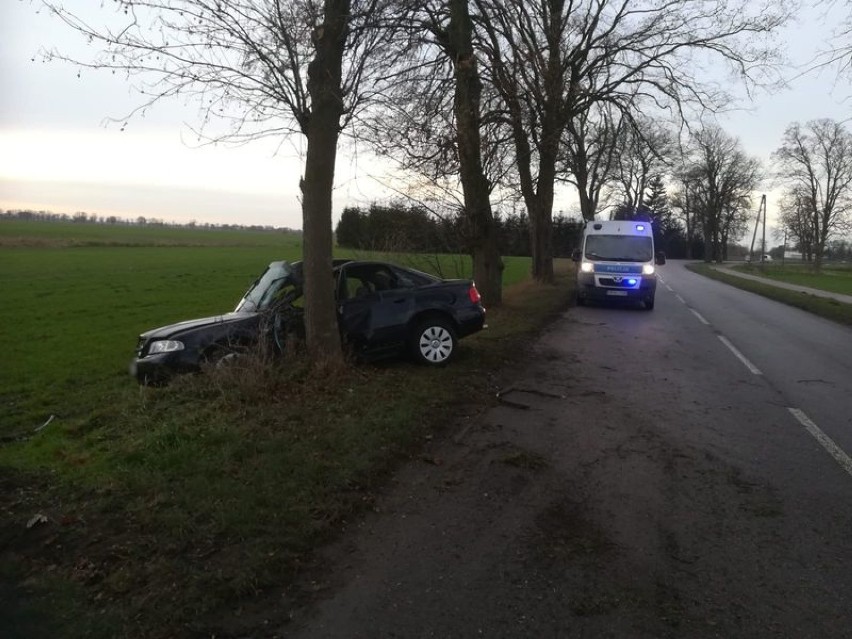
x=835, y=278
x=822, y=306
x=176, y=512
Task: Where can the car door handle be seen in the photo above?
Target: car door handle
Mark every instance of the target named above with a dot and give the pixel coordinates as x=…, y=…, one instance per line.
x=399, y=300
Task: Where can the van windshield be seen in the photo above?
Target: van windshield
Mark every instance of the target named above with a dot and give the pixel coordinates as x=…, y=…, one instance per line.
x=619, y=248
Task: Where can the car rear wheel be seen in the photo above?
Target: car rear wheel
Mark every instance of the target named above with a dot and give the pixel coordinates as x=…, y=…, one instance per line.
x=433, y=341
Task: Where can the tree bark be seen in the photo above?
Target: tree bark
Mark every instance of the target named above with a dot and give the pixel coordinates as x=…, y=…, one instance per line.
x=708, y=238
x=487, y=262
x=579, y=166
x=323, y=129
x=538, y=196
x=541, y=238
x=689, y=220
x=588, y=206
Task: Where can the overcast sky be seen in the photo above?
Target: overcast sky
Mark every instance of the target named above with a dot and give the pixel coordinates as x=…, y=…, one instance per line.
x=58, y=153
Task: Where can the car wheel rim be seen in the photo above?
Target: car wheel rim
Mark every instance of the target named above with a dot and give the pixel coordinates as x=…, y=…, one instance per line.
x=226, y=360
x=436, y=344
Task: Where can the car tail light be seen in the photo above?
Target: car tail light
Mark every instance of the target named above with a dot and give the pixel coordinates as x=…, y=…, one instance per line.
x=475, y=297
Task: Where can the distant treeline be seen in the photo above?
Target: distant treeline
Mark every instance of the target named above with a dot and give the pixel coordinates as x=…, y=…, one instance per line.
x=82, y=217
x=397, y=228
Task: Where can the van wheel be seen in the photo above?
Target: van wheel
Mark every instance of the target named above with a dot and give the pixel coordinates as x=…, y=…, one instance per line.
x=579, y=301
x=649, y=303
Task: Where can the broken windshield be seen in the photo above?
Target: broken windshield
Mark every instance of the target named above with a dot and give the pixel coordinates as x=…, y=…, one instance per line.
x=619, y=248
x=267, y=287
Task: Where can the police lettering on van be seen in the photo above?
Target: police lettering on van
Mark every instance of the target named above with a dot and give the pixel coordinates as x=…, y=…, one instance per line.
x=616, y=261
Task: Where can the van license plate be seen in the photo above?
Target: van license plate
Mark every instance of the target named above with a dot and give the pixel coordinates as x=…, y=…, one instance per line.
x=618, y=293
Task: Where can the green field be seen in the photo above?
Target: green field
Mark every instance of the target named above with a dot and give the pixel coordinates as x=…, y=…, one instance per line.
x=68, y=234
x=835, y=278
x=70, y=317
x=169, y=510
x=73, y=308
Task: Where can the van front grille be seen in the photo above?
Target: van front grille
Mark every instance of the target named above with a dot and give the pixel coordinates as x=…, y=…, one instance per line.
x=610, y=281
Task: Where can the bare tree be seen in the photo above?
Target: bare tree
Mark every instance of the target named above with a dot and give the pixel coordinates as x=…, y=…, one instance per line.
x=797, y=222
x=432, y=124
x=816, y=161
x=590, y=155
x=838, y=52
x=735, y=221
x=457, y=42
x=551, y=60
x=265, y=68
x=644, y=150
x=684, y=200
x=720, y=179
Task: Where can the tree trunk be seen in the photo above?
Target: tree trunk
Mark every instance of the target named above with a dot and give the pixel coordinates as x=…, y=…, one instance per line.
x=538, y=192
x=821, y=234
x=487, y=263
x=708, y=239
x=588, y=206
x=580, y=168
x=588, y=196
x=689, y=223
x=323, y=128
x=541, y=238
x=540, y=206
x=717, y=244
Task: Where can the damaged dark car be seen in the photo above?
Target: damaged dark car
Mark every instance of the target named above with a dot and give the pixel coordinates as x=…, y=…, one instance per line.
x=383, y=310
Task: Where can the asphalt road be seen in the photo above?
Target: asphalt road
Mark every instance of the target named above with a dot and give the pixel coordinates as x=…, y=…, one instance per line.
x=674, y=473
x=808, y=360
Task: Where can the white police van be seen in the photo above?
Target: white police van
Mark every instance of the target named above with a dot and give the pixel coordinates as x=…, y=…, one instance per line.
x=616, y=262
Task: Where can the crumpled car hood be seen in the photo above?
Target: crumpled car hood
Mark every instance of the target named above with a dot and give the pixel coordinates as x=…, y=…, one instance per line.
x=175, y=330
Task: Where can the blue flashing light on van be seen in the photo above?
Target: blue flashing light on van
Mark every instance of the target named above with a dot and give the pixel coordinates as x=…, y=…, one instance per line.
x=617, y=261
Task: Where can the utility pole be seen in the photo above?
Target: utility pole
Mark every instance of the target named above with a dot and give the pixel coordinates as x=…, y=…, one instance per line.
x=762, y=208
x=763, y=241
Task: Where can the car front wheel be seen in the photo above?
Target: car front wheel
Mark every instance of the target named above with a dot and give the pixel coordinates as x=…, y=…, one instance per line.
x=433, y=341
x=221, y=355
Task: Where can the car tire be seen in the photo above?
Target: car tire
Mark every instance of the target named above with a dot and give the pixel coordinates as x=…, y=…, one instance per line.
x=649, y=303
x=579, y=301
x=221, y=355
x=433, y=341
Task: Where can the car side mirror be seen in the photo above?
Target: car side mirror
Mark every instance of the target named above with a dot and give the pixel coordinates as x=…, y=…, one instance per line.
x=660, y=258
x=576, y=255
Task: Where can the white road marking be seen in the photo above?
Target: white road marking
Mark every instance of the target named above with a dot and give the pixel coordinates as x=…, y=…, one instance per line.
x=700, y=317
x=754, y=369
x=680, y=299
x=670, y=288
x=833, y=449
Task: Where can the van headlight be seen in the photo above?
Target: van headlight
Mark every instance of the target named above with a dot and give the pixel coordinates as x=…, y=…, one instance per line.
x=587, y=267
x=647, y=269
x=165, y=346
